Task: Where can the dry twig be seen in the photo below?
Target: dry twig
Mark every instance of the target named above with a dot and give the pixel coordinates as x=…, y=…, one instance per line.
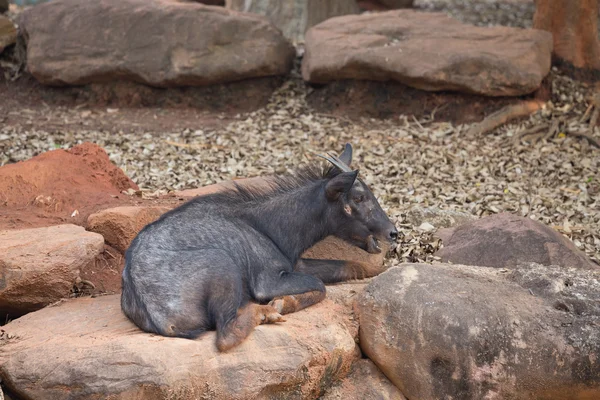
x=506, y=115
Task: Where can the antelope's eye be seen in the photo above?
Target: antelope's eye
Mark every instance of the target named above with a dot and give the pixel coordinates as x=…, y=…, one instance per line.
x=358, y=199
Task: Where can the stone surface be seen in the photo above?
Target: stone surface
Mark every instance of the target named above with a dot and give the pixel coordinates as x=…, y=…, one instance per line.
x=294, y=17
x=428, y=51
x=59, y=186
x=365, y=381
x=344, y=294
x=8, y=32
x=120, y=225
x=87, y=349
x=173, y=43
x=450, y=331
x=505, y=240
x=331, y=248
x=40, y=266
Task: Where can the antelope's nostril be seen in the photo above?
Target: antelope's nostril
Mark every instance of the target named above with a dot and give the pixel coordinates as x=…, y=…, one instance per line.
x=394, y=234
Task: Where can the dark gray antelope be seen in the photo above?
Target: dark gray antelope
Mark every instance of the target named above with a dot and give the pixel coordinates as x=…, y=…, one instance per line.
x=231, y=260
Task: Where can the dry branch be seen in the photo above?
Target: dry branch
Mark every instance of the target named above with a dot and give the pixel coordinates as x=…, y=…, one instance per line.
x=506, y=115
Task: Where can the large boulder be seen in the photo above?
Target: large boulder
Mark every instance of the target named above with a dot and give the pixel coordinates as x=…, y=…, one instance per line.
x=462, y=332
x=40, y=266
x=59, y=186
x=428, y=51
x=505, y=240
x=8, y=33
x=87, y=349
x=162, y=43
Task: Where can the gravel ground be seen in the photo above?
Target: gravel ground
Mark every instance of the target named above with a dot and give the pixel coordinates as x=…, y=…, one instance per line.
x=407, y=162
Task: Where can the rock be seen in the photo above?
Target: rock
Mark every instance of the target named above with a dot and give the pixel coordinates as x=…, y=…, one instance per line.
x=87, y=349
x=344, y=294
x=120, y=225
x=59, y=186
x=8, y=32
x=505, y=240
x=294, y=17
x=173, y=43
x=39, y=266
x=428, y=51
x=463, y=332
x=331, y=248
x=437, y=218
x=365, y=381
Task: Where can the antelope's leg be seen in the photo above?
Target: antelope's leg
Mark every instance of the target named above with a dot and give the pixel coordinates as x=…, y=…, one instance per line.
x=296, y=302
x=333, y=271
x=288, y=292
x=234, y=332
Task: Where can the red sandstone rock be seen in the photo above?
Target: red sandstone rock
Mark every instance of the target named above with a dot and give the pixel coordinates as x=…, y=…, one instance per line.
x=87, y=349
x=120, y=225
x=160, y=43
x=427, y=51
x=40, y=266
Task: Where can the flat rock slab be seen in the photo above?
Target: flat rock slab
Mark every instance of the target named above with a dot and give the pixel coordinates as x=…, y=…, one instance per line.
x=39, y=266
x=428, y=51
x=452, y=331
x=161, y=43
x=506, y=240
x=87, y=349
x=120, y=225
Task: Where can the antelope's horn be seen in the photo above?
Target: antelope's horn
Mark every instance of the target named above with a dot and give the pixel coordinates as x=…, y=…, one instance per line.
x=335, y=161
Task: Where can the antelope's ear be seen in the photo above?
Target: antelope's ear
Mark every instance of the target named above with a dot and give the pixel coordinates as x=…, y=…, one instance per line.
x=341, y=183
x=346, y=155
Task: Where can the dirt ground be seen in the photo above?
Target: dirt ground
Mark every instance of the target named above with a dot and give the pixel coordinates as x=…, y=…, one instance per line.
x=131, y=107
x=126, y=106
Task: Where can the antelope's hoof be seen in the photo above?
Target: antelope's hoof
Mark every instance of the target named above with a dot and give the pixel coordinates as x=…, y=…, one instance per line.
x=270, y=315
